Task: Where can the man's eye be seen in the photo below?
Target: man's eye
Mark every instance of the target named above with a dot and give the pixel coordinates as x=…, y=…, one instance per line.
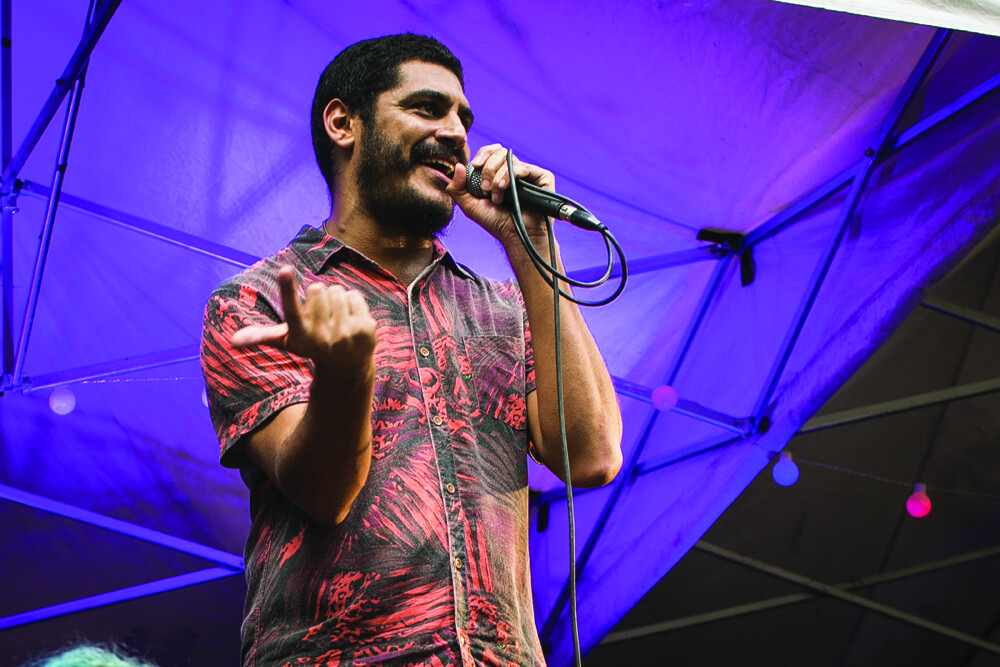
x=427, y=107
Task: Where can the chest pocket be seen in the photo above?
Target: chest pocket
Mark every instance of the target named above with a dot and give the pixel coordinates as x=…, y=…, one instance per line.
x=497, y=366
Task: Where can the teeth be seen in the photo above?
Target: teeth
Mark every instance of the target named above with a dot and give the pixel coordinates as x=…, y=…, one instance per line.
x=446, y=168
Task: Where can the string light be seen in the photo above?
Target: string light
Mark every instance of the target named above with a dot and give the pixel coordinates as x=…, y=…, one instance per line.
x=918, y=504
x=62, y=400
x=785, y=472
x=665, y=398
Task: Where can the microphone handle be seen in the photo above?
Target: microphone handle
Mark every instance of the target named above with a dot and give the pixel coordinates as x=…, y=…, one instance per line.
x=539, y=200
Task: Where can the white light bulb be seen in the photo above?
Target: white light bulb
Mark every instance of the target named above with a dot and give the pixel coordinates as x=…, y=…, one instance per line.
x=62, y=400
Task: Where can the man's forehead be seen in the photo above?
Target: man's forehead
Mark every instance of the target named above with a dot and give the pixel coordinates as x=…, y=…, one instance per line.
x=416, y=75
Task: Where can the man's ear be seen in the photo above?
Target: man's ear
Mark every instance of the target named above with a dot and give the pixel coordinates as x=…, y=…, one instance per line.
x=342, y=125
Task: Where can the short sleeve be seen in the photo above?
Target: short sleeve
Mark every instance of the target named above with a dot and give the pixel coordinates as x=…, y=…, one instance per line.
x=245, y=386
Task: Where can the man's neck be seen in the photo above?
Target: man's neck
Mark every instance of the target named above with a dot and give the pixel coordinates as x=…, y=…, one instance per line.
x=402, y=255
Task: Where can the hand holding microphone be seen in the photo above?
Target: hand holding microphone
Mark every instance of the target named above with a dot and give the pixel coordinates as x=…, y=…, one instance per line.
x=521, y=185
x=533, y=198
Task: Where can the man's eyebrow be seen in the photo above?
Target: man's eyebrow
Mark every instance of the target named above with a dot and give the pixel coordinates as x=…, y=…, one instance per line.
x=464, y=112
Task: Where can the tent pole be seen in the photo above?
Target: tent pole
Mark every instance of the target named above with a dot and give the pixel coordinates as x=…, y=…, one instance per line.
x=126, y=528
x=673, y=458
x=146, y=227
x=795, y=598
x=108, y=369
x=863, y=173
x=962, y=313
x=625, y=475
x=64, y=84
x=7, y=206
x=887, y=408
x=58, y=174
x=944, y=113
x=652, y=263
x=120, y=595
x=686, y=408
x=843, y=595
x=778, y=222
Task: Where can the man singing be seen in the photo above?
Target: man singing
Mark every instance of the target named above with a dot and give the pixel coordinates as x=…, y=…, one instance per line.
x=380, y=400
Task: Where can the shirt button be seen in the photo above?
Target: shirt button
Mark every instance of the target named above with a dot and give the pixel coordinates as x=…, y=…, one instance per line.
x=451, y=488
x=424, y=352
x=458, y=563
x=437, y=420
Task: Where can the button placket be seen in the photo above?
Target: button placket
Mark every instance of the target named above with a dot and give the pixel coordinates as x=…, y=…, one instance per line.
x=441, y=442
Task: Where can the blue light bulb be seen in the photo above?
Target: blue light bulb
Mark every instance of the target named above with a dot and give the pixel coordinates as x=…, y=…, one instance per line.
x=785, y=472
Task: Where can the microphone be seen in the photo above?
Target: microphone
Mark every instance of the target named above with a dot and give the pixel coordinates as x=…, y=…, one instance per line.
x=534, y=198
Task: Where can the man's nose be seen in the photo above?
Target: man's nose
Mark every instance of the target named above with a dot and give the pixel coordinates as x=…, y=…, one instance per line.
x=452, y=131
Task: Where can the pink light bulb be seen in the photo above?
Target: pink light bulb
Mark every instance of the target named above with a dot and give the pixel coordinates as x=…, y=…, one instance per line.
x=664, y=398
x=918, y=504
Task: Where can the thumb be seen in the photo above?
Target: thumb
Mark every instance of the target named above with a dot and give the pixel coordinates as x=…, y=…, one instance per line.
x=273, y=335
x=457, y=187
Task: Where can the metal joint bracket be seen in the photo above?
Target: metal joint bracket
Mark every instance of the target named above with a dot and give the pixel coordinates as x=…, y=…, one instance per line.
x=8, y=200
x=732, y=243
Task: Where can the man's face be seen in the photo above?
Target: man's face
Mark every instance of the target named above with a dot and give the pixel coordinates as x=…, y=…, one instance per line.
x=407, y=152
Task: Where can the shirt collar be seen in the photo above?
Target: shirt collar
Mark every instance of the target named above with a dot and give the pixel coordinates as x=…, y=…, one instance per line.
x=316, y=248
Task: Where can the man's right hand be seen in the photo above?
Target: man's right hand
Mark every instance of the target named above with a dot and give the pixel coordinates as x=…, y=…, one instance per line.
x=333, y=327
x=318, y=453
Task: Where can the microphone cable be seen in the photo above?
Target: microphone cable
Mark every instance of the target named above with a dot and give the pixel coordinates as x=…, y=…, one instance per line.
x=549, y=271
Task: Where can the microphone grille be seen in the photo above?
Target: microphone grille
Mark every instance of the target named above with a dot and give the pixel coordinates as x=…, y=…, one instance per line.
x=474, y=182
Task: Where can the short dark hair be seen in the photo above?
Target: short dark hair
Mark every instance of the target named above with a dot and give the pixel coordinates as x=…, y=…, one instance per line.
x=362, y=72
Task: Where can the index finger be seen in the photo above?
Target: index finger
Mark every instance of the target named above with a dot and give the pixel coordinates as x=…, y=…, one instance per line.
x=289, y=297
x=485, y=152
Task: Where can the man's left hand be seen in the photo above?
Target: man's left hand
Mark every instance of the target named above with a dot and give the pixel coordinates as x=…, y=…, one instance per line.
x=491, y=214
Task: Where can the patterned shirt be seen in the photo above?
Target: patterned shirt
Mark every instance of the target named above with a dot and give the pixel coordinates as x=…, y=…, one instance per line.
x=430, y=567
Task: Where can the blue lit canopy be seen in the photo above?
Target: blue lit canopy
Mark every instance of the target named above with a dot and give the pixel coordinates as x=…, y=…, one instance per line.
x=841, y=161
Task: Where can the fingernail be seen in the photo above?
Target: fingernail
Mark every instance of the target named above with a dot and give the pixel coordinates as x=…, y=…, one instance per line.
x=485, y=185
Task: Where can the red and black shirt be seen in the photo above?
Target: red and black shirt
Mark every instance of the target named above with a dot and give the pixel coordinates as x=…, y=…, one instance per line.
x=430, y=566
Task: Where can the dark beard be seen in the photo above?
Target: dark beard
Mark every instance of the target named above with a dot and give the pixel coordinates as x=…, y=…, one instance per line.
x=396, y=207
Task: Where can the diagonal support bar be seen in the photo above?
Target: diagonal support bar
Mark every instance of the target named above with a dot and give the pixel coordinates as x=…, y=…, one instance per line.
x=944, y=113
x=911, y=134
x=148, y=228
x=687, y=408
x=6, y=206
x=121, y=527
x=845, y=596
x=64, y=84
x=795, y=598
x=887, y=408
x=671, y=458
x=52, y=205
x=864, y=171
x=123, y=366
x=653, y=263
x=120, y=595
x=963, y=313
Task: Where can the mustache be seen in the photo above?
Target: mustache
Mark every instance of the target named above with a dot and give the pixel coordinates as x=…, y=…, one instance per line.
x=430, y=149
